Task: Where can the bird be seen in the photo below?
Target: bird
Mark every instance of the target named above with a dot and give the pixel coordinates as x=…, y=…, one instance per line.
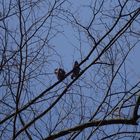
x=60, y=73
x=76, y=70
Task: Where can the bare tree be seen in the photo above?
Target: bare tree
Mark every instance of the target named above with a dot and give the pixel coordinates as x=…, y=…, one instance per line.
x=101, y=101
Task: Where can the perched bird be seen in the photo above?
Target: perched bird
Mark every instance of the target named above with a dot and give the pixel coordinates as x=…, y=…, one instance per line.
x=76, y=70
x=60, y=73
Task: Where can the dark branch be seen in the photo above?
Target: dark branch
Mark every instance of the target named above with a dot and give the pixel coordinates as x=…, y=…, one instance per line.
x=135, y=113
x=92, y=124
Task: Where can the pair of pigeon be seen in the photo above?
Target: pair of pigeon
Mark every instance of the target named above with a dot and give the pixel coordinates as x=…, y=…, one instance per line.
x=60, y=73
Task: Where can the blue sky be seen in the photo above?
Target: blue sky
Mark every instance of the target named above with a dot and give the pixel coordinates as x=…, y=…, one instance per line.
x=70, y=45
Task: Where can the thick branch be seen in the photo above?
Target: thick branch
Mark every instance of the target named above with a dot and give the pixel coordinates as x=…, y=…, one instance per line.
x=135, y=114
x=91, y=124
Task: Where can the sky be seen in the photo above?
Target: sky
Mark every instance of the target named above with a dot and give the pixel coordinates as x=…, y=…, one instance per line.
x=71, y=46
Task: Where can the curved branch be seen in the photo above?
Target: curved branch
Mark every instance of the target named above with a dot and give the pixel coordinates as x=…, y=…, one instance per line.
x=92, y=124
x=135, y=113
